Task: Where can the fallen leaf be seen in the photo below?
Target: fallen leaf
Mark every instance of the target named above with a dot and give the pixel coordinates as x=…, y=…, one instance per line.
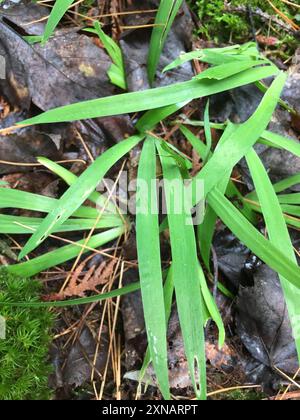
x=93, y=278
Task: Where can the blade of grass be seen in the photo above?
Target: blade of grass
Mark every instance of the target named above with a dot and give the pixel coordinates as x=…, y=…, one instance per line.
x=149, y=99
x=59, y=9
x=70, y=179
x=279, y=186
x=206, y=229
x=287, y=183
x=216, y=56
x=254, y=240
x=148, y=246
x=291, y=214
x=61, y=255
x=164, y=19
x=267, y=137
x=79, y=192
x=289, y=198
x=117, y=71
x=25, y=225
x=185, y=270
x=168, y=299
x=153, y=117
x=76, y=302
x=278, y=234
x=17, y=199
x=280, y=142
x=243, y=138
x=212, y=307
x=208, y=135
x=226, y=70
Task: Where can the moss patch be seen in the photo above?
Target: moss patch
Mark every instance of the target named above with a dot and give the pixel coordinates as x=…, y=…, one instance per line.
x=24, y=369
x=222, y=25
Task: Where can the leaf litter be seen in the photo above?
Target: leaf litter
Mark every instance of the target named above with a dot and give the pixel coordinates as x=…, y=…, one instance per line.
x=260, y=343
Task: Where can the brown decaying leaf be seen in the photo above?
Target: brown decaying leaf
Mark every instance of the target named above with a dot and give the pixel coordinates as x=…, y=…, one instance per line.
x=268, y=41
x=93, y=278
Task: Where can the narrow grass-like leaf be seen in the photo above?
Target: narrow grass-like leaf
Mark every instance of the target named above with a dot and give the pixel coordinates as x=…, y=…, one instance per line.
x=186, y=280
x=232, y=190
x=10, y=198
x=61, y=255
x=254, y=240
x=130, y=288
x=267, y=137
x=226, y=70
x=79, y=192
x=26, y=225
x=168, y=299
x=291, y=209
x=212, y=307
x=217, y=56
x=33, y=39
x=59, y=9
x=278, y=234
x=208, y=135
x=164, y=19
x=243, y=138
x=287, y=183
x=71, y=178
x=291, y=212
x=206, y=229
x=149, y=99
x=289, y=198
x=280, y=142
x=117, y=70
x=151, y=118
x=148, y=246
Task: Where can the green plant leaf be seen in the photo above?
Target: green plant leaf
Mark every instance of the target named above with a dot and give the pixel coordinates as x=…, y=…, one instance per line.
x=148, y=246
x=117, y=71
x=185, y=270
x=151, y=118
x=59, y=9
x=287, y=183
x=164, y=19
x=70, y=179
x=208, y=135
x=79, y=192
x=10, y=198
x=289, y=198
x=149, y=99
x=254, y=240
x=280, y=142
x=61, y=255
x=168, y=299
x=278, y=234
x=244, y=137
x=267, y=137
x=133, y=287
x=212, y=307
x=226, y=70
x=217, y=56
x=26, y=225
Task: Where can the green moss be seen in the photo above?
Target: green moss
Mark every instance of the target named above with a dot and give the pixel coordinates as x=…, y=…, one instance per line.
x=222, y=25
x=244, y=395
x=24, y=369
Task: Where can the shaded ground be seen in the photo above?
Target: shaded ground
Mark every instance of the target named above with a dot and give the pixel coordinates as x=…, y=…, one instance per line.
x=98, y=349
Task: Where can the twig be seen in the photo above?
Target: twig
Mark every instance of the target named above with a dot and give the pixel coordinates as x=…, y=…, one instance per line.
x=265, y=17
